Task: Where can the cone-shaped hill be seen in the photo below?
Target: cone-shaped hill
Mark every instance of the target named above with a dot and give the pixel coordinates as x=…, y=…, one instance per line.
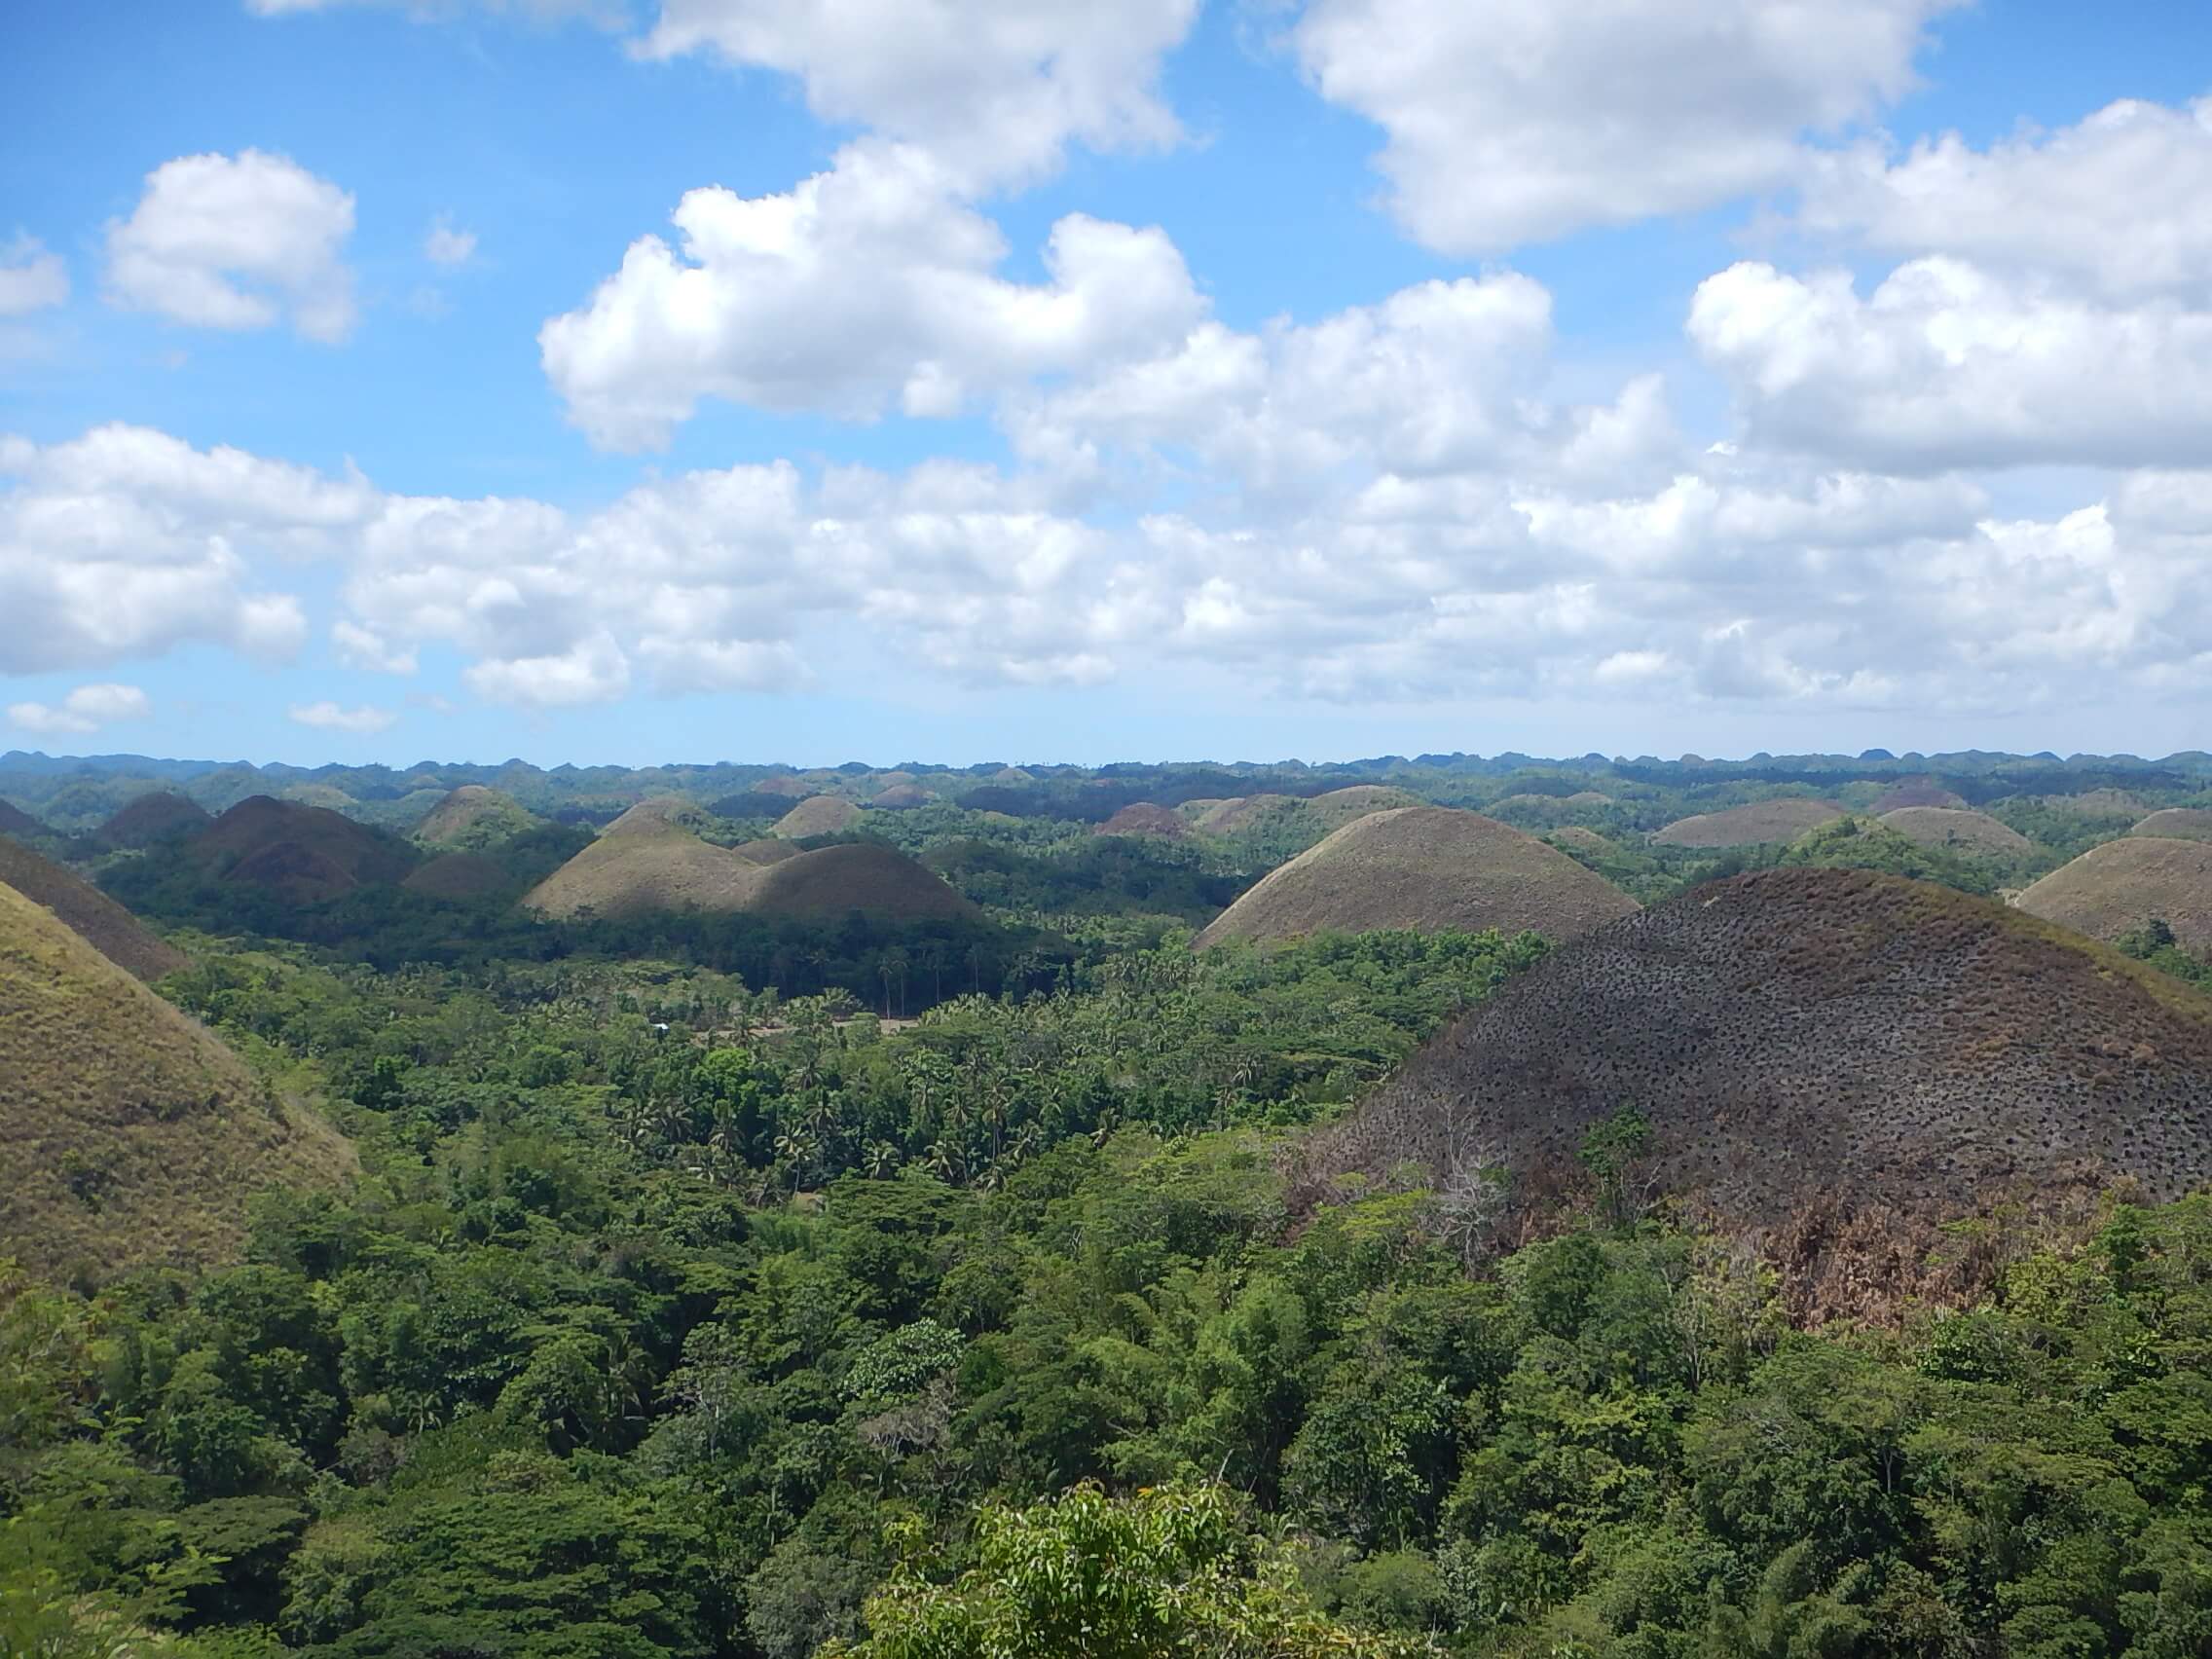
x=162, y=816
x=1750, y=826
x=1242, y=812
x=661, y=812
x=1914, y=791
x=1144, y=818
x=1339, y=807
x=1958, y=829
x=304, y=853
x=674, y=870
x=1424, y=868
x=14, y=820
x=2177, y=823
x=900, y=798
x=2119, y=885
x=459, y=876
x=111, y=930
x=818, y=815
x=474, y=817
x=1840, y=1058
x=129, y=1135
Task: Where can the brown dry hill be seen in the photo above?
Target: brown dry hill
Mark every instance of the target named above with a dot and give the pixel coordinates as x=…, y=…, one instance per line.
x=1839, y=1060
x=1759, y=822
x=111, y=930
x=878, y=881
x=2125, y=883
x=2177, y=823
x=661, y=812
x=901, y=798
x=473, y=817
x=1958, y=828
x=1339, y=807
x=1144, y=818
x=820, y=815
x=1242, y=812
x=14, y=820
x=129, y=1135
x=1914, y=791
x=458, y=875
x=643, y=870
x=1424, y=868
x=306, y=853
x=767, y=852
x=162, y=816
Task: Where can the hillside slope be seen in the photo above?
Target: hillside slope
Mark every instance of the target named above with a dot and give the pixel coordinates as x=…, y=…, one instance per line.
x=1817, y=1050
x=1751, y=825
x=2122, y=884
x=2177, y=823
x=1424, y=867
x=304, y=853
x=474, y=817
x=832, y=882
x=1963, y=830
x=158, y=817
x=818, y=815
x=129, y=1135
x=643, y=870
x=110, y=929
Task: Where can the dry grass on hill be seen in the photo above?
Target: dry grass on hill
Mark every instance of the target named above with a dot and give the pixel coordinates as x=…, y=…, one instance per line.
x=2177, y=823
x=674, y=870
x=306, y=853
x=1242, y=812
x=875, y=880
x=2122, y=884
x=1750, y=826
x=900, y=798
x=661, y=812
x=1424, y=867
x=1144, y=818
x=129, y=1135
x=14, y=820
x=152, y=818
x=821, y=815
x=1339, y=807
x=767, y=852
x=473, y=817
x=1836, y=1062
x=1963, y=830
x=1914, y=791
x=459, y=876
x=111, y=930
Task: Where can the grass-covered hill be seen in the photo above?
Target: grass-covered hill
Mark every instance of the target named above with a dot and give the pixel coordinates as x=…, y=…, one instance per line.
x=460, y=877
x=818, y=815
x=2119, y=885
x=1958, y=829
x=302, y=852
x=473, y=817
x=129, y=1135
x=160, y=816
x=1751, y=825
x=1145, y=818
x=14, y=820
x=2177, y=823
x=1915, y=791
x=832, y=882
x=1839, y=1060
x=1424, y=867
x=110, y=929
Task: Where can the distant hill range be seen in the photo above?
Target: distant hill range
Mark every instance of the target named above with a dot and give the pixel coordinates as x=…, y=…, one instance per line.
x=1836, y=1061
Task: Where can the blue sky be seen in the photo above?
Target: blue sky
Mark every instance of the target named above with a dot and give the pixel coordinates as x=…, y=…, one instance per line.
x=1409, y=375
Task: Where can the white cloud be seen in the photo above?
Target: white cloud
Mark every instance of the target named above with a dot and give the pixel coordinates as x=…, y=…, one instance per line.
x=993, y=90
x=2110, y=204
x=447, y=245
x=868, y=282
x=31, y=278
x=236, y=243
x=364, y=647
x=594, y=670
x=1946, y=365
x=327, y=716
x=82, y=710
x=1517, y=121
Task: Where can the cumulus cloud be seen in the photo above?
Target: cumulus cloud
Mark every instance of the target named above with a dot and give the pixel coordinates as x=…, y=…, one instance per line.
x=1520, y=121
x=236, y=243
x=1946, y=365
x=31, y=278
x=2107, y=205
x=364, y=647
x=82, y=710
x=447, y=245
x=327, y=716
x=867, y=283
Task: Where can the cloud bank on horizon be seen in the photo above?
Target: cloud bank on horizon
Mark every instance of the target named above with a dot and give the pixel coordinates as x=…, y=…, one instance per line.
x=954, y=424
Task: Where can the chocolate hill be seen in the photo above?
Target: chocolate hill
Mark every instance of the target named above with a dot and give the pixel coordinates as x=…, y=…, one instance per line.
x=818, y=815
x=162, y=816
x=304, y=853
x=1960, y=830
x=1750, y=826
x=14, y=820
x=1836, y=1060
x=111, y=930
x=2119, y=885
x=129, y=1135
x=474, y=817
x=1424, y=867
x=1144, y=818
x=2177, y=823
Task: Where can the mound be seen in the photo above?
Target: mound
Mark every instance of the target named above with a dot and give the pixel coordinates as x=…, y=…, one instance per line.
x=643, y=872
x=1914, y=791
x=877, y=881
x=1242, y=812
x=1759, y=822
x=1424, y=868
x=458, y=875
x=320, y=794
x=766, y=852
x=103, y=924
x=129, y=1135
x=2122, y=884
x=306, y=853
x=1340, y=807
x=474, y=817
x=152, y=819
x=901, y=798
x=823, y=815
x=1959, y=828
x=662, y=812
x=1143, y=818
x=2177, y=823
x=1819, y=1049
x=14, y=820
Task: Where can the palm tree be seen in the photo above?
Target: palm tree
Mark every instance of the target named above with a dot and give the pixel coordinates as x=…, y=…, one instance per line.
x=879, y=1160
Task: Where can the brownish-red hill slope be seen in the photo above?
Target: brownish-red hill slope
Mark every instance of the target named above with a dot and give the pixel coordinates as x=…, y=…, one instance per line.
x=111, y=930
x=306, y=853
x=1751, y=825
x=162, y=816
x=1839, y=1060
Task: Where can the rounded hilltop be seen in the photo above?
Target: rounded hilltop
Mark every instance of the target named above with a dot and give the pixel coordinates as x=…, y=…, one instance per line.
x=2177, y=823
x=1957, y=828
x=473, y=817
x=2122, y=885
x=1753, y=824
x=818, y=815
x=151, y=819
x=304, y=853
x=1423, y=867
x=1145, y=817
